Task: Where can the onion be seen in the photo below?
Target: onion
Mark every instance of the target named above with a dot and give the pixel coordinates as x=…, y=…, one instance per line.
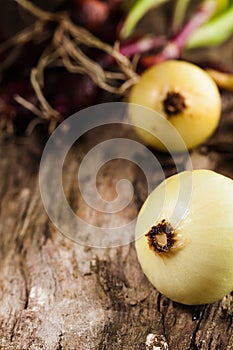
x=184, y=237
x=184, y=94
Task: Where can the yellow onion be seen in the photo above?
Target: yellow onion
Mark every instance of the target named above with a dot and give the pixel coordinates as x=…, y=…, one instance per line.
x=184, y=94
x=184, y=237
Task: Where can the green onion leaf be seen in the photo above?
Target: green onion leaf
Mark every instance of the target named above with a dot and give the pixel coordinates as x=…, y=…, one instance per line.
x=138, y=10
x=215, y=32
x=179, y=14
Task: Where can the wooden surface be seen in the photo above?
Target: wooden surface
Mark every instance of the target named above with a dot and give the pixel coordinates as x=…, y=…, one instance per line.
x=57, y=294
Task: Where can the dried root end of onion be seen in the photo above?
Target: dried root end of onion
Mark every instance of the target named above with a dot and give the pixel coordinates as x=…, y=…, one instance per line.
x=185, y=95
x=184, y=242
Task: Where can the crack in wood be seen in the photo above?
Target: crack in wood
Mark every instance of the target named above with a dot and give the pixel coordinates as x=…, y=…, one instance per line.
x=13, y=331
x=162, y=314
x=198, y=318
x=60, y=340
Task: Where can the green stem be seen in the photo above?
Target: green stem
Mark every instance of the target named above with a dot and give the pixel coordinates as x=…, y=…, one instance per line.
x=179, y=14
x=138, y=10
x=215, y=32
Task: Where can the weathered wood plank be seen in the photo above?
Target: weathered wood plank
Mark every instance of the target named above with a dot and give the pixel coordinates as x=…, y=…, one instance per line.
x=57, y=294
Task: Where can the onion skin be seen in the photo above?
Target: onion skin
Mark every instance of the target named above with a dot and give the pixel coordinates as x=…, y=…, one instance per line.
x=199, y=107
x=198, y=269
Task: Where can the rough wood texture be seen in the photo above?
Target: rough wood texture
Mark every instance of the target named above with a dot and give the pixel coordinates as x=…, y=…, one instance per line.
x=56, y=294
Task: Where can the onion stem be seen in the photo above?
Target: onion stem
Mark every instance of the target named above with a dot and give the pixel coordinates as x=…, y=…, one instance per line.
x=138, y=10
x=179, y=14
x=215, y=32
x=175, y=46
